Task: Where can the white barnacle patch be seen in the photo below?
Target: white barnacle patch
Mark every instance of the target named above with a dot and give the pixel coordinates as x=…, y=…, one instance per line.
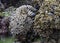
x=21, y=22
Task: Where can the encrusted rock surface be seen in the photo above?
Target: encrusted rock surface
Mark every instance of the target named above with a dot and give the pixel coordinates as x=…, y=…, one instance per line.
x=24, y=25
x=23, y=14
x=47, y=20
x=21, y=22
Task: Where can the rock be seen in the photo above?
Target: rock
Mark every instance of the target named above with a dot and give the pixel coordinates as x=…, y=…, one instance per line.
x=2, y=7
x=4, y=26
x=47, y=19
x=22, y=21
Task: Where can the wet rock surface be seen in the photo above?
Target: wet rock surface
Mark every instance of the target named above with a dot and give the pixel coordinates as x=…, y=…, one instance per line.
x=27, y=22
x=47, y=21
x=4, y=27
x=22, y=22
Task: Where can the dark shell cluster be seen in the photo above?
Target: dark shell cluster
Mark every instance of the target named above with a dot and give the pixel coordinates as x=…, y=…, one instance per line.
x=47, y=21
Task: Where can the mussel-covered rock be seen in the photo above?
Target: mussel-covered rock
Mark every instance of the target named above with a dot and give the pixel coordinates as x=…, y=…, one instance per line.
x=47, y=19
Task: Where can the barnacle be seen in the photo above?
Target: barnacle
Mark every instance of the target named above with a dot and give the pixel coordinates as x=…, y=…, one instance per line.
x=22, y=21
